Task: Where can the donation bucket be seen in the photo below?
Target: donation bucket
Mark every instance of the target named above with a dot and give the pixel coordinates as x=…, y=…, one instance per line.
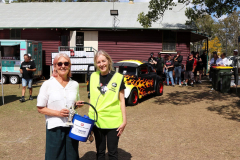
x=82, y=126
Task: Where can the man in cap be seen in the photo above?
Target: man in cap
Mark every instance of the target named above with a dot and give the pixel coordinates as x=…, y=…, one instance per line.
x=160, y=64
x=234, y=64
x=189, y=70
x=223, y=60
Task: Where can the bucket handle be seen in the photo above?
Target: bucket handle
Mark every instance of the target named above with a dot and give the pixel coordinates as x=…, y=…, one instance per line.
x=93, y=109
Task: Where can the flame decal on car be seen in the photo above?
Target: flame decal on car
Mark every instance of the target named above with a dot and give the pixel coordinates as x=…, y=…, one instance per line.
x=141, y=84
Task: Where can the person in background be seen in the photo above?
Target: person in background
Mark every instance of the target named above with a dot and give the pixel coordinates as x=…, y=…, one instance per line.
x=204, y=62
x=30, y=57
x=213, y=62
x=223, y=61
x=189, y=69
x=106, y=89
x=182, y=71
x=26, y=69
x=160, y=65
x=199, y=68
x=152, y=60
x=234, y=64
x=169, y=65
x=55, y=97
x=177, y=67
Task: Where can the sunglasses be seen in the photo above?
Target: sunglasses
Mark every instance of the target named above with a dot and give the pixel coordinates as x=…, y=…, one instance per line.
x=61, y=63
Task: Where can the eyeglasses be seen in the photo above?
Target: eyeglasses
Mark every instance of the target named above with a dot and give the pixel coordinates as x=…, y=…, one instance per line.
x=61, y=63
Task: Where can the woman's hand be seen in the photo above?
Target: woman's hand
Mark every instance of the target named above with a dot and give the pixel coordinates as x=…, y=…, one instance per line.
x=79, y=104
x=64, y=113
x=121, y=129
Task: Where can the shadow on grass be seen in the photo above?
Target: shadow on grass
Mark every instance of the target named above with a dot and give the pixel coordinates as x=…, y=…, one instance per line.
x=91, y=155
x=9, y=99
x=12, y=98
x=231, y=111
x=188, y=97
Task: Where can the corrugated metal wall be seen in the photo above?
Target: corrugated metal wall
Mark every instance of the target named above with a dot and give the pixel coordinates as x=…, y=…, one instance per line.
x=4, y=34
x=133, y=44
x=183, y=44
x=50, y=39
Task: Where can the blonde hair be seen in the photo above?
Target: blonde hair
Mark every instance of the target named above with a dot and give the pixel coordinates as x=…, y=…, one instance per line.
x=110, y=62
x=55, y=61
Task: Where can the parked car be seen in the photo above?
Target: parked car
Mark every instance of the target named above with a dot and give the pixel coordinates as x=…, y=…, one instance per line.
x=140, y=80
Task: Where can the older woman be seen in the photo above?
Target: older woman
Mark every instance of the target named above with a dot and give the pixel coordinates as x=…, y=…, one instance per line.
x=56, y=95
x=107, y=94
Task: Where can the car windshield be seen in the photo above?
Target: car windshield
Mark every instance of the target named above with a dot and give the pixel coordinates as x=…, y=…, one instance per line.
x=126, y=70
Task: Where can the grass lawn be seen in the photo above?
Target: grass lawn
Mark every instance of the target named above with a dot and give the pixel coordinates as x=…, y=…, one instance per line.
x=183, y=123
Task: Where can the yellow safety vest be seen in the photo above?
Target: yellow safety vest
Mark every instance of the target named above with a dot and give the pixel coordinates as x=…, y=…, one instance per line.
x=108, y=104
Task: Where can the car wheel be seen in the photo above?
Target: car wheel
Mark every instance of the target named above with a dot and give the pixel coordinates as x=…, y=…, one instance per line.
x=4, y=79
x=133, y=97
x=159, y=88
x=14, y=79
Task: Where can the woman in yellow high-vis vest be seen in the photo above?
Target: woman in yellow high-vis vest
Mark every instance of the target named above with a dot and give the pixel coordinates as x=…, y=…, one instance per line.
x=106, y=89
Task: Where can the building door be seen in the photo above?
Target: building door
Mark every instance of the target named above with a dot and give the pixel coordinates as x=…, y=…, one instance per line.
x=80, y=40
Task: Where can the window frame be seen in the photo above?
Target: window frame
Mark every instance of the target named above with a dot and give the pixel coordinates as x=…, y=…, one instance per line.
x=15, y=33
x=169, y=42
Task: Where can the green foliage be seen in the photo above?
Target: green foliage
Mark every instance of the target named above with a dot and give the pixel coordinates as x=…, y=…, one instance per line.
x=157, y=9
x=200, y=9
x=228, y=32
x=207, y=25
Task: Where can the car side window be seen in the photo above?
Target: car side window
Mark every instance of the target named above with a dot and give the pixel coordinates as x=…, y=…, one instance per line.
x=151, y=70
x=143, y=70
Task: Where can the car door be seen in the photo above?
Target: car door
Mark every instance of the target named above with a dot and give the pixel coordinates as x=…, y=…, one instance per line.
x=152, y=76
x=145, y=82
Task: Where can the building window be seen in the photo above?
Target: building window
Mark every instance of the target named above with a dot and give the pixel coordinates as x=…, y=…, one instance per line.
x=15, y=34
x=169, y=41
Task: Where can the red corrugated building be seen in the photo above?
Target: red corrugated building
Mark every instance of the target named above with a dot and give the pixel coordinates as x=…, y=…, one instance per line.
x=91, y=25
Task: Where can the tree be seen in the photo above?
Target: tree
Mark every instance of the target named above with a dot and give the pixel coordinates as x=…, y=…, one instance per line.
x=228, y=32
x=207, y=25
x=213, y=45
x=200, y=8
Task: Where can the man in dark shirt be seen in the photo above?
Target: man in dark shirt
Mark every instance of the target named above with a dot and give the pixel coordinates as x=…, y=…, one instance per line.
x=177, y=67
x=160, y=64
x=152, y=60
x=27, y=68
x=190, y=67
x=204, y=62
x=234, y=64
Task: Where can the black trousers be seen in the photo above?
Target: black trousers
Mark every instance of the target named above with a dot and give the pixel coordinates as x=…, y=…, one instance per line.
x=235, y=76
x=160, y=73
x=105, y=137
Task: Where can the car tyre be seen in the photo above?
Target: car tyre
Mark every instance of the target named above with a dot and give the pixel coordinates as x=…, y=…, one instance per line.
x=159, y=88
x=133, y=97
x=4, y=79
x=14, y=79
